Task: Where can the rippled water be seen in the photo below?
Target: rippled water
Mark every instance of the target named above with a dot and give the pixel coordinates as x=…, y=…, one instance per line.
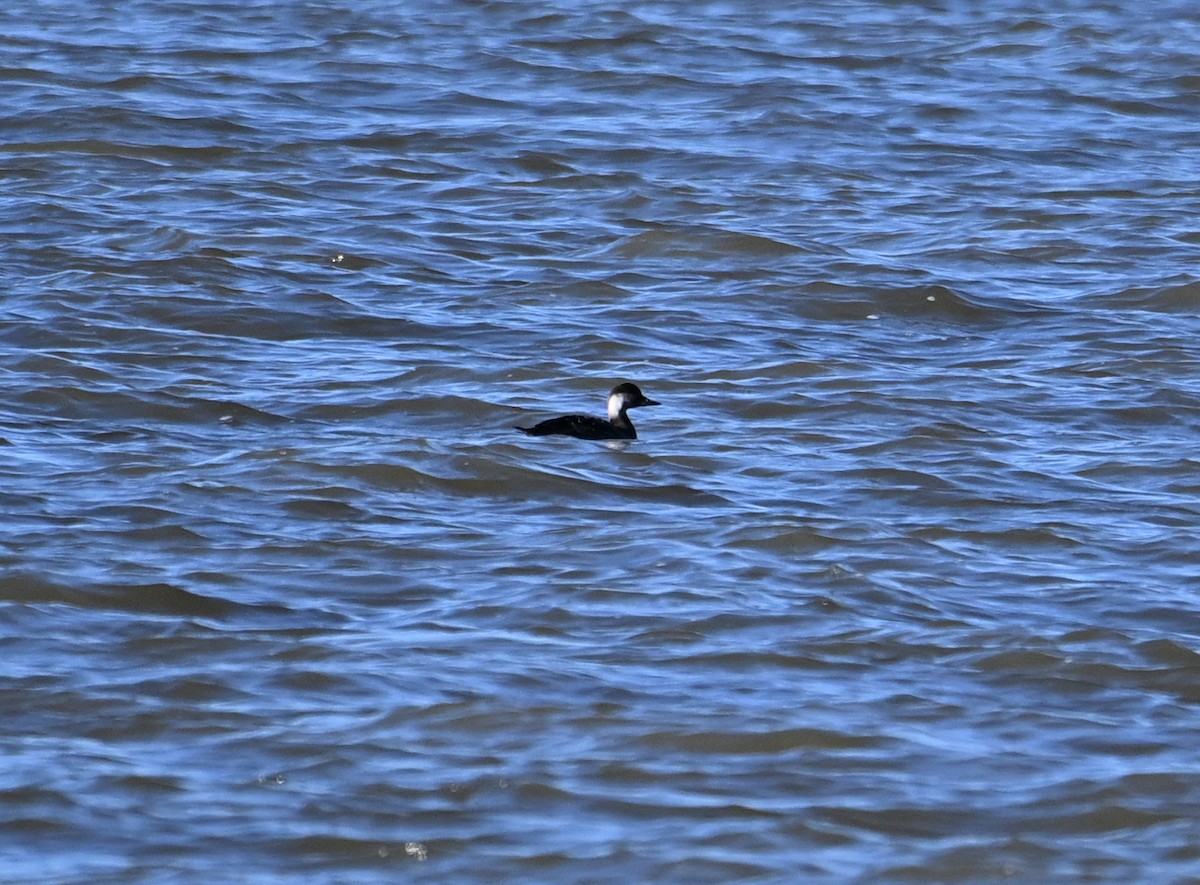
x=899, y=584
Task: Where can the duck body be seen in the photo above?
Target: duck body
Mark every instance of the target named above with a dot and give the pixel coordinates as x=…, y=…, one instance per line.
x=618, y=426
x=581, y=427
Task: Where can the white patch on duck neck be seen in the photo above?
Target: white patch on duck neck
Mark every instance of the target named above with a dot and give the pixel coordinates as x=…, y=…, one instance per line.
x=616, y=401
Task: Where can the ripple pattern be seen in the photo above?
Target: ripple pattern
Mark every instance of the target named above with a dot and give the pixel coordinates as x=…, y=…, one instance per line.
x=898, y=585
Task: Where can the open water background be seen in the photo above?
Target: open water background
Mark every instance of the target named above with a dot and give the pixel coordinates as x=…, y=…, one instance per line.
x=900, y=583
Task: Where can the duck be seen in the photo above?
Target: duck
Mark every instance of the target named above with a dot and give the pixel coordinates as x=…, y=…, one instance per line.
x=621, y=399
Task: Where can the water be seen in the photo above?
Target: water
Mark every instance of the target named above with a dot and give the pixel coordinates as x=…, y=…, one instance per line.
x=899, y=584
